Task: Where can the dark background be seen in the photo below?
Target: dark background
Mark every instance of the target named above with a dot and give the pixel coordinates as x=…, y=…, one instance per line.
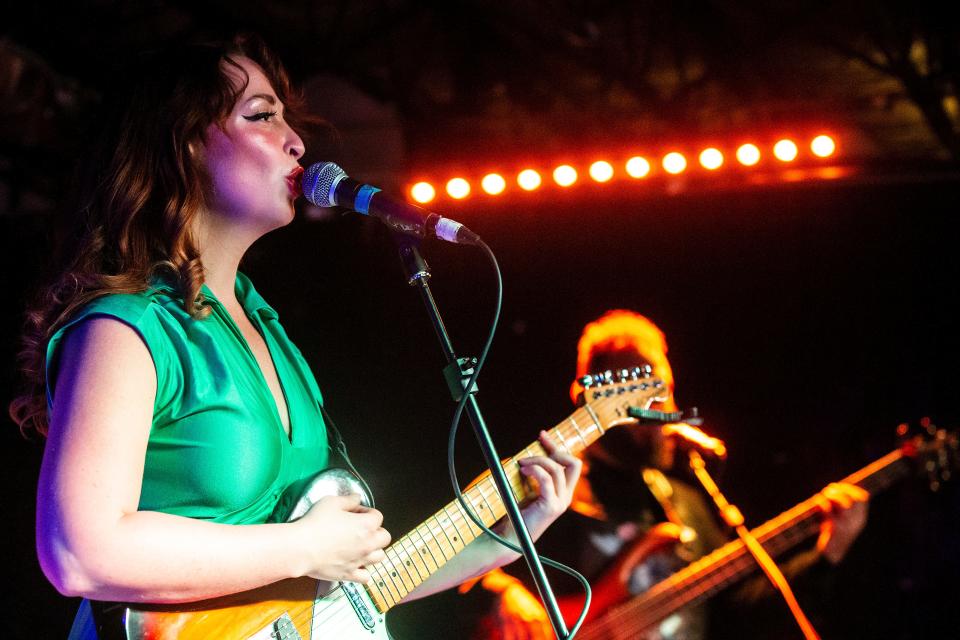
x=806, y=317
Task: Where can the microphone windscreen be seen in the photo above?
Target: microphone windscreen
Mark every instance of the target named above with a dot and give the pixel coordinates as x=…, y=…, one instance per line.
x=318, y=183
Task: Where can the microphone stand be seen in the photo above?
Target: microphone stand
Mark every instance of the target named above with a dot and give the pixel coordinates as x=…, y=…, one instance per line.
x=457, y=373
x=734, y=519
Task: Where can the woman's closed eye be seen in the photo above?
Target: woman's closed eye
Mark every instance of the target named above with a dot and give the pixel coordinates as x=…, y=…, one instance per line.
x=263, y=115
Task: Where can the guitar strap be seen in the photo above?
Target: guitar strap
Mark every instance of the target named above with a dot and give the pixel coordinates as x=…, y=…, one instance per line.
x=340, y=447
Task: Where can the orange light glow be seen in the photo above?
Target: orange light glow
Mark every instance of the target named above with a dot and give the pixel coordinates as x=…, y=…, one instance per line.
x=711, y=159
x=638, y=167
x=423, y=192
x=674, y=163
x=748, y=155
x=785, y=150
x=458, y=188
x=823, y=146
x=623, y=330
x=493, y=183
x=564, y=175
x=696, y=436
x=528, y=179
x=601, y=171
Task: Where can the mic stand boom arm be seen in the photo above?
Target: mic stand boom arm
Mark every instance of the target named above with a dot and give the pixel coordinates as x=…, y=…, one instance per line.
x=418, y=274
x=734, y=519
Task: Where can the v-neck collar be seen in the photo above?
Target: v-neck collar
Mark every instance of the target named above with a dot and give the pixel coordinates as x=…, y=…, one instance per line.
x=253, y=305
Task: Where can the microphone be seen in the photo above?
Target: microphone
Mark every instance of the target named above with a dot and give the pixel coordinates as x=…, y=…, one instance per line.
x=326, y=185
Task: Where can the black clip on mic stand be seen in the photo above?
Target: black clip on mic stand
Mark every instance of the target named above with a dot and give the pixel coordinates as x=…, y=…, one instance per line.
x=457, y=374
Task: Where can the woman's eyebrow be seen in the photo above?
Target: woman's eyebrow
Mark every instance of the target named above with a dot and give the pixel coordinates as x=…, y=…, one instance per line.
x=263, y=96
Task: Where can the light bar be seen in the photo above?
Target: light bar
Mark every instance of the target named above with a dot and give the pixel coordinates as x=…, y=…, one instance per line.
x=711, y=160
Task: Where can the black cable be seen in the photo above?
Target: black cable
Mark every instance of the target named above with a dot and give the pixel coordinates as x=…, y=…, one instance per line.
x=451, y=446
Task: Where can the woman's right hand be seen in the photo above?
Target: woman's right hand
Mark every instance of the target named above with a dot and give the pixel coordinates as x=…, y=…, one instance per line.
x=340, y=537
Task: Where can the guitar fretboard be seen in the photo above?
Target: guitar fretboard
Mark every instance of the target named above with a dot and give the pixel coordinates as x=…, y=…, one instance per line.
x=434, y=542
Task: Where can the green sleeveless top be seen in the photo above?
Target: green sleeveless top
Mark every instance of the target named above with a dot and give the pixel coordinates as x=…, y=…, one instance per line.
x=217, y=448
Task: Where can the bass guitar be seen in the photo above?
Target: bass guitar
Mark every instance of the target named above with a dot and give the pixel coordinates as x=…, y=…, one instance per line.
x=934, y=451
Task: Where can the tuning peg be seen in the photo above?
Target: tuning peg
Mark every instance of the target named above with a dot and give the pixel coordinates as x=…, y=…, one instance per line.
x=623, y=375
x=608, y=377
x=586, y=381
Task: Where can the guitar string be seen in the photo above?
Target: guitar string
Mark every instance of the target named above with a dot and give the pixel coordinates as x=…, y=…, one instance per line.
x=307, y=611
x=732, y=559
x=481, y=490
x=784, y=532
x=304, y=612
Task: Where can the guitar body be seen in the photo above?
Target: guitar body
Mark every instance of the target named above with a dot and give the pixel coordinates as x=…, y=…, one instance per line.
x=299, y=609
x=292, y=610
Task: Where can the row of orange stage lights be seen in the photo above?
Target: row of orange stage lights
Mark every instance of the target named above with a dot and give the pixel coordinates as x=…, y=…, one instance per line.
x=784, y=151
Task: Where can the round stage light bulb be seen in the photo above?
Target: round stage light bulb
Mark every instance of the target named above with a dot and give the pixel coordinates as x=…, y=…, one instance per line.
x=823, y=146
x=493, y=183
x=423, y=192
x=674, y=163
x=638, y=167
x=458, y=188
x=711, y=159
x=601, y=171
x=748, y=154
x=564, y=175
x=528, y=179
x=785, y=150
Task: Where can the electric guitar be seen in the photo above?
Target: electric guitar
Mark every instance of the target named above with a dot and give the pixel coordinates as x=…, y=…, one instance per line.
x=936, y=449
x=305, y=608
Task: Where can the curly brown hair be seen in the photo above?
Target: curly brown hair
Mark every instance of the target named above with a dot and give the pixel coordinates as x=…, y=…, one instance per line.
x=137, y=193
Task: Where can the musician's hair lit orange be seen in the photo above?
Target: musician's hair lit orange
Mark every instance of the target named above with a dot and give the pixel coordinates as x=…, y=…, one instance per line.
x=622, y=330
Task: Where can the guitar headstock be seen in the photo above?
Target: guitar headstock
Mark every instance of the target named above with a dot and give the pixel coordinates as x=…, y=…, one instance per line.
x=610, y=394
x=936, y=450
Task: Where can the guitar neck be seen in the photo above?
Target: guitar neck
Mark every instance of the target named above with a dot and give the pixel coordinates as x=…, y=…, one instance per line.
x=732, y=562
x=434, y=542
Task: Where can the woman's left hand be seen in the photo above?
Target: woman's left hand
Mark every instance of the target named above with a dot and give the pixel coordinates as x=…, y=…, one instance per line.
x=554, y=475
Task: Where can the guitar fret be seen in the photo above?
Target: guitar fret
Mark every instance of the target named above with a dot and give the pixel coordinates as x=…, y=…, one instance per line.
x=477, y=511
x=594, y=417
x=576, y=428
x=413, y=558
x=491, y=511
x=453, y=521
x=558, y=439
x=383, y=584
x=472, y=528
x=453, y=548
x=388, y=582
x=426, y=547
x=436, y=541
x=382, y=603
x=408, y=583
x=456, y=547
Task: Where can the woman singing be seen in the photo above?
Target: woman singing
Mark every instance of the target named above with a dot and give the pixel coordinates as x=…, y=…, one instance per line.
x=175, y=408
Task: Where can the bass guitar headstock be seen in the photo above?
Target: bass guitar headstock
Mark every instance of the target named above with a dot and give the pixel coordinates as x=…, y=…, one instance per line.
x=936, y=450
